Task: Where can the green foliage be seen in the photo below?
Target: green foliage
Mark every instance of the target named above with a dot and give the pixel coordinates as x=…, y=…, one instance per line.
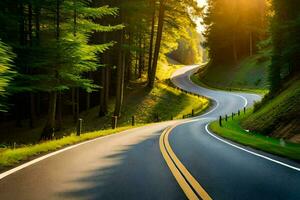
x=286, y=42
x=6, y=72
x=189, y=49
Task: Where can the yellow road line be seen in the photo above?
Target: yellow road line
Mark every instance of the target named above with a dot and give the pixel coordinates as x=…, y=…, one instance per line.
x=194, y=183
x=170, y=157
x=179, y=178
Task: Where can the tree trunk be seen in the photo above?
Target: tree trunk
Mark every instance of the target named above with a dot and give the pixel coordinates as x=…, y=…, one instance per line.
x=234, y=49
x=31, y=95
x=104, y=91
x=88, y=95
x=37, y=11
x=140, y=57
x=136, y=65
x=19, y=105
x=120, y=78
x=59, y=111
x=151, y=42
x=107, y=84
x=157, y=43
x=50, y=125
x=32, y=110
x=77, y=103
x=88, y=100
x=74, y=104
x=103, y=106
x=251, y=43
x=49, y=129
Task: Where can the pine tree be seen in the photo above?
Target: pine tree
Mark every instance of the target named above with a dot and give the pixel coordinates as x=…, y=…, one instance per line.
x=68, y=52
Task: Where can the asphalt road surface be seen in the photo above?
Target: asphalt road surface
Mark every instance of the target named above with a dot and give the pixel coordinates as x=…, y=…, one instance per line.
x=130, y=165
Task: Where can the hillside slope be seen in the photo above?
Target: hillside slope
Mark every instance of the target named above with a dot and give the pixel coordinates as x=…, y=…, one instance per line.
x=250, y=74
x=280, y=116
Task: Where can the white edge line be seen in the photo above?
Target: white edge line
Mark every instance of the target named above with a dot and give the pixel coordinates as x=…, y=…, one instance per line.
x=251, y=152
x=233, y=145
x=246, y=101
x=27, y=164
x=189, y=77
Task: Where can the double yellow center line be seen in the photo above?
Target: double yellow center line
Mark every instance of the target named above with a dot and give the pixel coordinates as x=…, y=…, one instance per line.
x=186, y=181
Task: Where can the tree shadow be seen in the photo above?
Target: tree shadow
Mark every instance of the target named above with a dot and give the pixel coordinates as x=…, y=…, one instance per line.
x=139, y=172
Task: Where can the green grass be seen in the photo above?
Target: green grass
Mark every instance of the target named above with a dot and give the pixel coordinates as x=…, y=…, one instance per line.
x=163, y=100
x=11, y=157
x=165, y=69
x=196, y=79
x=250, y=75
x=233, y=130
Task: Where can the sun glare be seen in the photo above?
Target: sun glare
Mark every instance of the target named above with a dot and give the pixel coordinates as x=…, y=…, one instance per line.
x=202, y=2
x=200, y=27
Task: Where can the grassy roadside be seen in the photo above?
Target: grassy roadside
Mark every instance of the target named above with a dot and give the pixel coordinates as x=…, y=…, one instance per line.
x=10, y=157
x=232, y=130
x=195, y=78
x=164, y=101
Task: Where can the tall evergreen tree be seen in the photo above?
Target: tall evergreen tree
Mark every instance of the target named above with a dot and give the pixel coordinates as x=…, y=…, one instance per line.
x=286, y=42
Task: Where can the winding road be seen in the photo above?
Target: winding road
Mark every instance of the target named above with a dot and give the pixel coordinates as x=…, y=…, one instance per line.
x=179, y=159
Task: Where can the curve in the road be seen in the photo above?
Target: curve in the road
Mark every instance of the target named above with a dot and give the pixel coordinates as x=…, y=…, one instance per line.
x=129, y=165
x=182, y=79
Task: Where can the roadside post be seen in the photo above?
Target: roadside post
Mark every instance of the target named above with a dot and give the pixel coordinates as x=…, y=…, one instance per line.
x=133, y=120
x=220, y=121
x=244, y=110
x=157, y=117
x=239, y=112
x=226, y=117
x=79, y=127
x=114, y=121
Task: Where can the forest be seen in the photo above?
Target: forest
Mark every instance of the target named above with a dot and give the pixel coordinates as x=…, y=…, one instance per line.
x=265, y=27
x=63, y=60
x=257, y=48
x=150, y=99
x=61, y=57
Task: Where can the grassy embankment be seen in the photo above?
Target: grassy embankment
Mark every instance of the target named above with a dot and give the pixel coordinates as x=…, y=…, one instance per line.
x=233, y=130
x=250, y=75
x=278, y=116
x=273, y=127
x=163, y=100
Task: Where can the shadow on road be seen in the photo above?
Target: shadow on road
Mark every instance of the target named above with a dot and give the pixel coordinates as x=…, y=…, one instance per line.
x=139, y=173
